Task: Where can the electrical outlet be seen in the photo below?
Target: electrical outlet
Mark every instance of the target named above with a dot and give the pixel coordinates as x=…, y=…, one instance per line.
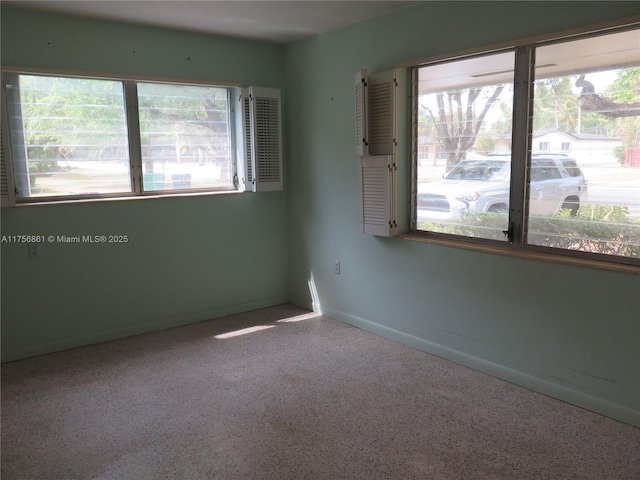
x=336, y=267
x=34, y=251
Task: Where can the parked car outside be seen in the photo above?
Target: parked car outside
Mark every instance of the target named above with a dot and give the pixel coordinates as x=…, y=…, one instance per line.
x=482, y=185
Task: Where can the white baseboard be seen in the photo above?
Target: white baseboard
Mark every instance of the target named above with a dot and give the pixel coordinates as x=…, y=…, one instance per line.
x=560, y=392
x=112, y=334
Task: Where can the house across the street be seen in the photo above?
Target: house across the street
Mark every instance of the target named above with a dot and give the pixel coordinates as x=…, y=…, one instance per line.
x=584, y=147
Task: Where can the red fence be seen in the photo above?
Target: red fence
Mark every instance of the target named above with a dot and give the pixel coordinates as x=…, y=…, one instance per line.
x=632, y=157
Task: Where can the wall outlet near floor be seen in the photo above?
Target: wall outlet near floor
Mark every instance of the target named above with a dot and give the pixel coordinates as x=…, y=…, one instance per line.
x=336, y=267
x=34, y=251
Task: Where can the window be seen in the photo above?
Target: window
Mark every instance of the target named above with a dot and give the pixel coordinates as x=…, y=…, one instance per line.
x=465, y=116
x=185, y=137
x=79, y=138
x=510, y=175
x=69, y=136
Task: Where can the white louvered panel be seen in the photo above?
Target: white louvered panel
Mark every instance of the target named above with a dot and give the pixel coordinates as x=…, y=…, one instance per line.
x=4, y=183
x=267, y=144
x=360, y=94
x=7, y=196
x=376, y=190
x=266, y=138
x=375, y=208
x=381, y=106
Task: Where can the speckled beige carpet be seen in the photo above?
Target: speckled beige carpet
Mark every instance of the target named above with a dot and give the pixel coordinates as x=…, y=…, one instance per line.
x=297, y=397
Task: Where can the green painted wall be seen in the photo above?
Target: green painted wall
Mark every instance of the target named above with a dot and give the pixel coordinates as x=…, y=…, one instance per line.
x=188, y=259
x=48, y=40
x=570, y=332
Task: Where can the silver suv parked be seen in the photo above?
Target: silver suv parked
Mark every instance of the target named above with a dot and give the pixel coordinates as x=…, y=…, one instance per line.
x=482, y=185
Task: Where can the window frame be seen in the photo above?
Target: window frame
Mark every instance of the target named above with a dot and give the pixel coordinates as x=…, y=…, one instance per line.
x=132, y=127
x=522, y=141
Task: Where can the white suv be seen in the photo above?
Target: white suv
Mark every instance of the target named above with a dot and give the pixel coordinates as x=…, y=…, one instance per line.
x=482, y=186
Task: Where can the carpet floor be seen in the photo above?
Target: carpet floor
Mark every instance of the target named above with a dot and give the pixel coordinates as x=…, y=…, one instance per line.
x=282, y=394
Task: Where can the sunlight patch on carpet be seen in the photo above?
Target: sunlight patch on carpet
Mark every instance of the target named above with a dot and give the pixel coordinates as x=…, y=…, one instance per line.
x=243, y=331
x=300, y=318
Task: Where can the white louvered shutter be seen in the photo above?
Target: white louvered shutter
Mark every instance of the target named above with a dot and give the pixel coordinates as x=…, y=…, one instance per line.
x=378, y=169
x=382, y=113
x=7, y=193
x=361, y=100
x=266, y=139
x=4, y=181
x=377, y=192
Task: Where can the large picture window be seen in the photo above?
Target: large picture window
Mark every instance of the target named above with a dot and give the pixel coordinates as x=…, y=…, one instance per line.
x=541, y=153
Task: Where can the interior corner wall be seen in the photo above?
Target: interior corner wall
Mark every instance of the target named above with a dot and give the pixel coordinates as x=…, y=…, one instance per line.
x=188, y=259
x=566, y=331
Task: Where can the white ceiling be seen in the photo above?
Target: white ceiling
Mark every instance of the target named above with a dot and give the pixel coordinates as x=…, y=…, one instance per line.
x=273, y=21
x=592, y=54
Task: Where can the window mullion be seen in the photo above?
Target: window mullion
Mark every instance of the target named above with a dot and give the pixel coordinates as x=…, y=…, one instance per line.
x=133, y=135
x=521, y=143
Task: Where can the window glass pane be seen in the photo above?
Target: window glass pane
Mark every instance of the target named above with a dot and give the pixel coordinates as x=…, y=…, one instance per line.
x=584, y=191
x=185, y=136
x=69, y=136
x=464, y=144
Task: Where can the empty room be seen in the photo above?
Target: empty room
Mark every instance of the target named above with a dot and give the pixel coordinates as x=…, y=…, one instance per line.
x=320, y=240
